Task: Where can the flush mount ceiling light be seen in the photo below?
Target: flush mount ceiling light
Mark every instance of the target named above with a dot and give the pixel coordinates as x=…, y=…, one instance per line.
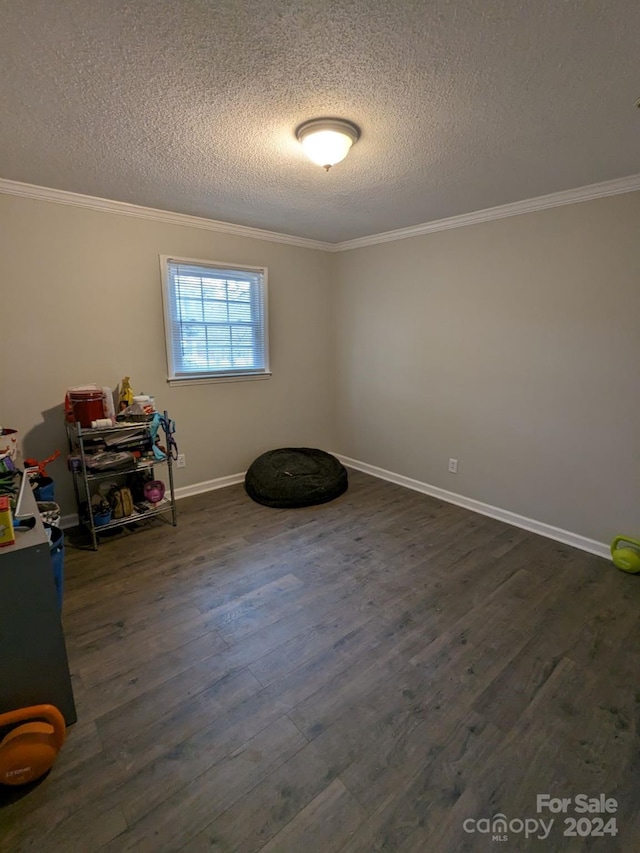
x=327, y=141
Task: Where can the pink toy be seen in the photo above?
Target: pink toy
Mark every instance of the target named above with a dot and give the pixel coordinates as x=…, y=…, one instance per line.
x=154, y=491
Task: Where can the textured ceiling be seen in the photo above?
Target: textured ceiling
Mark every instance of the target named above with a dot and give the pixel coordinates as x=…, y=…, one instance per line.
x=191, y=106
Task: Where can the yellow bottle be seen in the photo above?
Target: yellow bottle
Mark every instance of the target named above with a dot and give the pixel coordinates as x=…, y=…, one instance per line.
x=126, y=394
x=7, y=536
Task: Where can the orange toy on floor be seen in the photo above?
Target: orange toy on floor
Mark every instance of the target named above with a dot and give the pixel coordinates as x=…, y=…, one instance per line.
x=29, y=750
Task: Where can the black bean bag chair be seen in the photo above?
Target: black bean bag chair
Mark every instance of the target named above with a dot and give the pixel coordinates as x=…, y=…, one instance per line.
x=295, y=477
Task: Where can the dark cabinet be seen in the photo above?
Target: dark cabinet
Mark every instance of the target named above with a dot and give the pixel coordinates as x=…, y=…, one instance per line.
x=33, y=657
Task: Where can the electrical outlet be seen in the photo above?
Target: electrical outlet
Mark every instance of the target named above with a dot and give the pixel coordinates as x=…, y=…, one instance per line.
x=453, y=466
x=182, y=461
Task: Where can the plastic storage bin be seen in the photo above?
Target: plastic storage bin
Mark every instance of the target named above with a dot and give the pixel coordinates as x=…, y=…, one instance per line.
x=45, y=489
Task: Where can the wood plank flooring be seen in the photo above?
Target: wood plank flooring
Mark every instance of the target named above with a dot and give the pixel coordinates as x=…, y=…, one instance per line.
x=360, y=676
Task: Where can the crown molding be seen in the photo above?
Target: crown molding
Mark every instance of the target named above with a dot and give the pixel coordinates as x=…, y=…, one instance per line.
x=125, y=209
x=516, y=208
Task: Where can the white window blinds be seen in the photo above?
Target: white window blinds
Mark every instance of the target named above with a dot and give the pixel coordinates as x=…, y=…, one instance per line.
x=215, y=319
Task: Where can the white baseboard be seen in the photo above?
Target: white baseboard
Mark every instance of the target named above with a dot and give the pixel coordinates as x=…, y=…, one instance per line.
x=600, y=549
x=530, y=524
x=71, y=520
x=209, y=486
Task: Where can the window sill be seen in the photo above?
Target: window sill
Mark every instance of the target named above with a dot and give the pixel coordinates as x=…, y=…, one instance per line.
x=209, y=380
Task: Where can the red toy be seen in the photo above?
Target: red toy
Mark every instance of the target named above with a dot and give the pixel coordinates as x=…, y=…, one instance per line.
x=41, y=466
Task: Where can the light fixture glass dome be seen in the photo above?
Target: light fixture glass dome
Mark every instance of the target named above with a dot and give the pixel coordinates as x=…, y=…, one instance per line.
x=327, y=141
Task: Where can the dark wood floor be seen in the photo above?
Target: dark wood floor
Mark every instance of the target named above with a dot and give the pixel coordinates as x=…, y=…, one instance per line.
x=360, y=676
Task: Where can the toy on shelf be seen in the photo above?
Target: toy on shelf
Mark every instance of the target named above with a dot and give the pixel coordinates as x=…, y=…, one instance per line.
x=154, y=491
x=126, y=394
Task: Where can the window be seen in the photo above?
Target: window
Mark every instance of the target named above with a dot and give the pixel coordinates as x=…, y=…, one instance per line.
x=215, y=320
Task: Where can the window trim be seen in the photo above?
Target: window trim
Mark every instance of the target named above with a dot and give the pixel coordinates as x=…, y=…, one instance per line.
x=205, y=378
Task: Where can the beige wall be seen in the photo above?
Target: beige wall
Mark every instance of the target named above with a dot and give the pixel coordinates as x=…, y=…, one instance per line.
x=81, y=302
x=512, y=345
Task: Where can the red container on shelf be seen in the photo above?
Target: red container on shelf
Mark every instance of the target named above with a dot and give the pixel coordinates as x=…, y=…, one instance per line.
x=86, y=406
